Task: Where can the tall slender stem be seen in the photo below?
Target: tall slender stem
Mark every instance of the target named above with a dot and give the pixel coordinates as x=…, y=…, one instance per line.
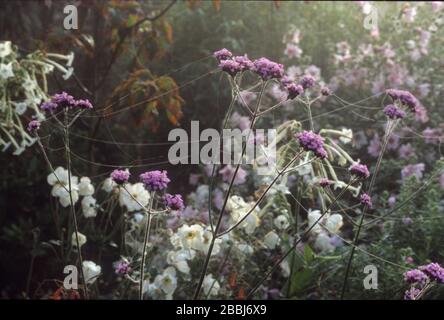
x=145, y=242
x=219, y=221
x=73, y=213
x=390, y=126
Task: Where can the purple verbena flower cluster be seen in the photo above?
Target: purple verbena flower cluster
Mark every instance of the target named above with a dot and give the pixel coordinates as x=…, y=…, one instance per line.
x=122, y=267
x=307, y=82
x=33, y=125
x=294, y=90
x=420, y=276
x=415, y=276
x=393, y=112
x=434, y=271
x=174, y=202
x=268, y=69
x=120, y=176
x=325, y=182
x=311, y=141
x=64, y=100
x=405, y=98
x=366, y=200
x=325, y=91
x=360, y=170
x=223, y=54
x=155, y=180
x=230, y=66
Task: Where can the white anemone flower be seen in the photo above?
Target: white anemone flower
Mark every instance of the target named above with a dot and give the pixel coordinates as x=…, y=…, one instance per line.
x=191, y=237
x=334, y=223
x=323, y=243
x=6, y=71
x=138, y=192
x=210, y=286
x=281, y=222
x=109, y=185
x=60, y=186
x=91, y=271
x=167, y=281
x=313, y=216
x=82, y=239
x=271, y=240
x=85, y=187
x=5, y=49
x=89, y=207
x=179, y=259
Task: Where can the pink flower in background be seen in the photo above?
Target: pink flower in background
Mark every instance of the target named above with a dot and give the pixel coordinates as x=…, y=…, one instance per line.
x=292, y=51
x=375, y=146
x=432, y=136
x=227, y=173
x=424, y=90
x=406, y=151
x=413, y=170
x=378, y=85
x=421, y=114
x=277, y=93
x=247, y=96
x=393, y=142
x=194, y=179
x=436, y=5
x=441, y=181
x=241, y=122
x=314, y=71
x=218, y=198
x=391, y=200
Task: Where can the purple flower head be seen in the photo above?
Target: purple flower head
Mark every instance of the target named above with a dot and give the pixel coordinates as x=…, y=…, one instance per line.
x=120, y=176
x=404, y=97
x=174, y=202
x=122, y=267
x=294, y=90
x=434, y=271
x=415, y=276
x=359, y=170
x=393, y=112
x=412, y=293
x=48, y=106
x=155, y=180
x=33, y=125
x=63, y=100
x=230, y=66
x=324, y=182
x=222, y=54
x=244, y=62
x=325, y=91
x=406, y=151
x=307, y=82
x=311, y=141
x=268, y=69
x=83, y=104
x=366, y=200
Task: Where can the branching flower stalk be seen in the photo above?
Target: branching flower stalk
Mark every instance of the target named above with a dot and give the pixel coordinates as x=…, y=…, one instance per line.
x=389, y=129
x=73, y=213
x=219, y=221
x=145, y=243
